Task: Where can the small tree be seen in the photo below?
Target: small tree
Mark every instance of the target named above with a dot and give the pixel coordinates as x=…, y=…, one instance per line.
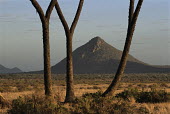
x=46, y=44
x=69, y=36
x=131, y=27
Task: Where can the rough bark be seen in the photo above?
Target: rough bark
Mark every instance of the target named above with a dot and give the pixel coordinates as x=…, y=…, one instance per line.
x=46, y=43
x=47, y=64
x=131, y=27
x=131, y=11
x=70, y=96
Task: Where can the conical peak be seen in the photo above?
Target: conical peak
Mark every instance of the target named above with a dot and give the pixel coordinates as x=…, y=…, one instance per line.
x=96, y=41
x=95, y=44
x=97, y=38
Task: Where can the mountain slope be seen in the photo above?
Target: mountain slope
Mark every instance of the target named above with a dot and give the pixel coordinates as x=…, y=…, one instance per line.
x=97, y=56
x=4, y=70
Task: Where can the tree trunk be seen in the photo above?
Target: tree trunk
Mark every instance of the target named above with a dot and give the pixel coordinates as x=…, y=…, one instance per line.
x=69, y=35
x=69, y=75
x=46, y=44
x=131, y=27
x=113, y=86
x=47, y=65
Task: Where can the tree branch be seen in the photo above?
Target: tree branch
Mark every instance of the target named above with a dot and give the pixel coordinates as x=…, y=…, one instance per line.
x=131, y=11
x=136, y=13
x=76, y=18
x=111, y=89
x=50, y=9
x=62, y=18
x=39, y=10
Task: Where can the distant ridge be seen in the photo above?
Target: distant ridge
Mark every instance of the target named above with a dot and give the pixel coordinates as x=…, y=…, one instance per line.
x=4, y=70
x=162, y=66
x=99, y=57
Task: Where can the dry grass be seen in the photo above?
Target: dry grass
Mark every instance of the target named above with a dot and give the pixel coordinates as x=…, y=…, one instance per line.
x=80, y=89
x=157, y=108
x=13, y=95
x=3, y=111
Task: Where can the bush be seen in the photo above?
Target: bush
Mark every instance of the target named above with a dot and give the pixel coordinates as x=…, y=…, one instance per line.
x=4, y=103
x=92, y=95
x=152, y=96
x=35, y=105
x=90, y=103
x=126, y=94
x=93, y=103
x=6, y=88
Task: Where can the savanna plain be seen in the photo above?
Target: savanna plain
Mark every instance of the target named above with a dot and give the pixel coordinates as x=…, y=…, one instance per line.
x=136, y=94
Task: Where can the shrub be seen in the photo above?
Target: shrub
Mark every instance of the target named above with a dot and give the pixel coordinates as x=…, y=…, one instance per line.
x=92, y=95
x=21, y=87
x=93, y=103
x=35, y=105
x=126, y=94
x=4, y=103
x=96, y=87
x=89, y=103
x=152, y=96
x=6, y=88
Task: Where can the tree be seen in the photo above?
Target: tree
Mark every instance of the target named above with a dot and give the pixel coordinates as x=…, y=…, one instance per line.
x=69, y=36
x=46, y=44
x=131, y=27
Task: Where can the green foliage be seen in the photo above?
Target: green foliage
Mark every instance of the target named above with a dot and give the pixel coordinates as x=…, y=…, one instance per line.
x=126, y=94
x=93, y=95
x=143, y=110
x=89, y=103
x=152, y=96
x=35, y=105
x=93, y=103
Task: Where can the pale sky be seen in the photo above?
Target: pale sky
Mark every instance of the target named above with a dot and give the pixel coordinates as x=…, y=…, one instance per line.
x=21, y=36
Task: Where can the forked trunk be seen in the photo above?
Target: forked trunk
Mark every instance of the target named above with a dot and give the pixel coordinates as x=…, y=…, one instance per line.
x=69, y=35
x=46, y=44
x=131, y=27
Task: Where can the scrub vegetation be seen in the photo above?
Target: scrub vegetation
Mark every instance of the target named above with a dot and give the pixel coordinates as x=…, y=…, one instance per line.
x=146, y=93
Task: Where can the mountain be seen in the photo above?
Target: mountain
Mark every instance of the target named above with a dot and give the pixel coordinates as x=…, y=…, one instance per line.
x=99, y=57
x=4, y=70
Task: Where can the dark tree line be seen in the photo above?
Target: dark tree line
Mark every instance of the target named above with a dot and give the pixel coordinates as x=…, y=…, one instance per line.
x=69, y=32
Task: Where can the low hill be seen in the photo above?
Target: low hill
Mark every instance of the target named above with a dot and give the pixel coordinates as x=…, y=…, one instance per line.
x=4, y=70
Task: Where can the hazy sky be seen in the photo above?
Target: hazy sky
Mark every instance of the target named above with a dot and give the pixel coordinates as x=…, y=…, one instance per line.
x=21, y=37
